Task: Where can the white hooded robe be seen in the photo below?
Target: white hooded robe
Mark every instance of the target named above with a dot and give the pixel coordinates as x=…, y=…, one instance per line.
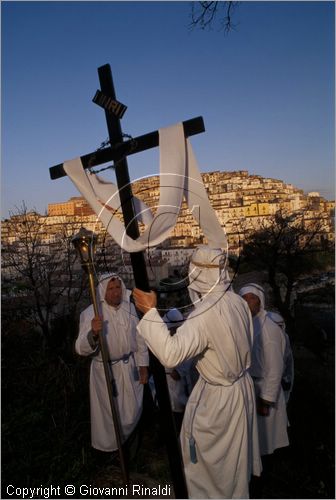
x=267, y=369
x=122, y=341
x=219, y=432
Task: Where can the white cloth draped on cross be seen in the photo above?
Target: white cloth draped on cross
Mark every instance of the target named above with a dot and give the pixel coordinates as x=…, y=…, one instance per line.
x=179, y=176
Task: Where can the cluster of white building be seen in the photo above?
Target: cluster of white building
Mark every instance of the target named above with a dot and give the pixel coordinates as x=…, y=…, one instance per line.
x=243, y=203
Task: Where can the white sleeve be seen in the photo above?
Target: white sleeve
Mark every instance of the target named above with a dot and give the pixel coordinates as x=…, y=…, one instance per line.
x=141, y=355
x=273, y=346
x=171, y=350
x=83, y=346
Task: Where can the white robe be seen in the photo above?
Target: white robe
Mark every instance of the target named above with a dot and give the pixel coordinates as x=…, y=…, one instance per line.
x=121, y=338
x=220, y=415
x=267, y=369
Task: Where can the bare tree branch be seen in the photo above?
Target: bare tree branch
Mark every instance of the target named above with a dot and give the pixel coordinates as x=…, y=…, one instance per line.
x=40, y=263
x=286, y=245
x=204, y=15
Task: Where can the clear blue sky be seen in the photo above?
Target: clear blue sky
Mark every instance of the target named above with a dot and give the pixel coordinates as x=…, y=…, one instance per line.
x=265, y=91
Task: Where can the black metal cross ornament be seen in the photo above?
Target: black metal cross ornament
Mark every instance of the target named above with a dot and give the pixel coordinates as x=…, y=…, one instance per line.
x=118, y=152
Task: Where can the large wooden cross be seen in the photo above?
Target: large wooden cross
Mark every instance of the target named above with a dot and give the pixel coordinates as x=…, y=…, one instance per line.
x=118, y=152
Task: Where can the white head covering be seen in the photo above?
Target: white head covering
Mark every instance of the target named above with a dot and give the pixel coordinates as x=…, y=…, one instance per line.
x=104, y=280
x=207, y=273
x=173, y=318
x=257, y=290
x=124, y=309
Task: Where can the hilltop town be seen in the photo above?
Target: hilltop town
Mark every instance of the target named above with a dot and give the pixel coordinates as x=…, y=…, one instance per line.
x=244, y=203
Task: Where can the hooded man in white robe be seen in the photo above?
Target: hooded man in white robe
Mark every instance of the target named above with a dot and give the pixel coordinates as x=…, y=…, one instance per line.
x=128, y=355
x=219, y=438
x=267, y=369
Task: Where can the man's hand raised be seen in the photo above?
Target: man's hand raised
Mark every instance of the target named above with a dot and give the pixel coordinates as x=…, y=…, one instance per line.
x=144, y=301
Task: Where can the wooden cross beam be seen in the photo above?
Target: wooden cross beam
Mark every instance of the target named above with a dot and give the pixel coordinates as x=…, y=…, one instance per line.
x=118, y=152
x=127, y=148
